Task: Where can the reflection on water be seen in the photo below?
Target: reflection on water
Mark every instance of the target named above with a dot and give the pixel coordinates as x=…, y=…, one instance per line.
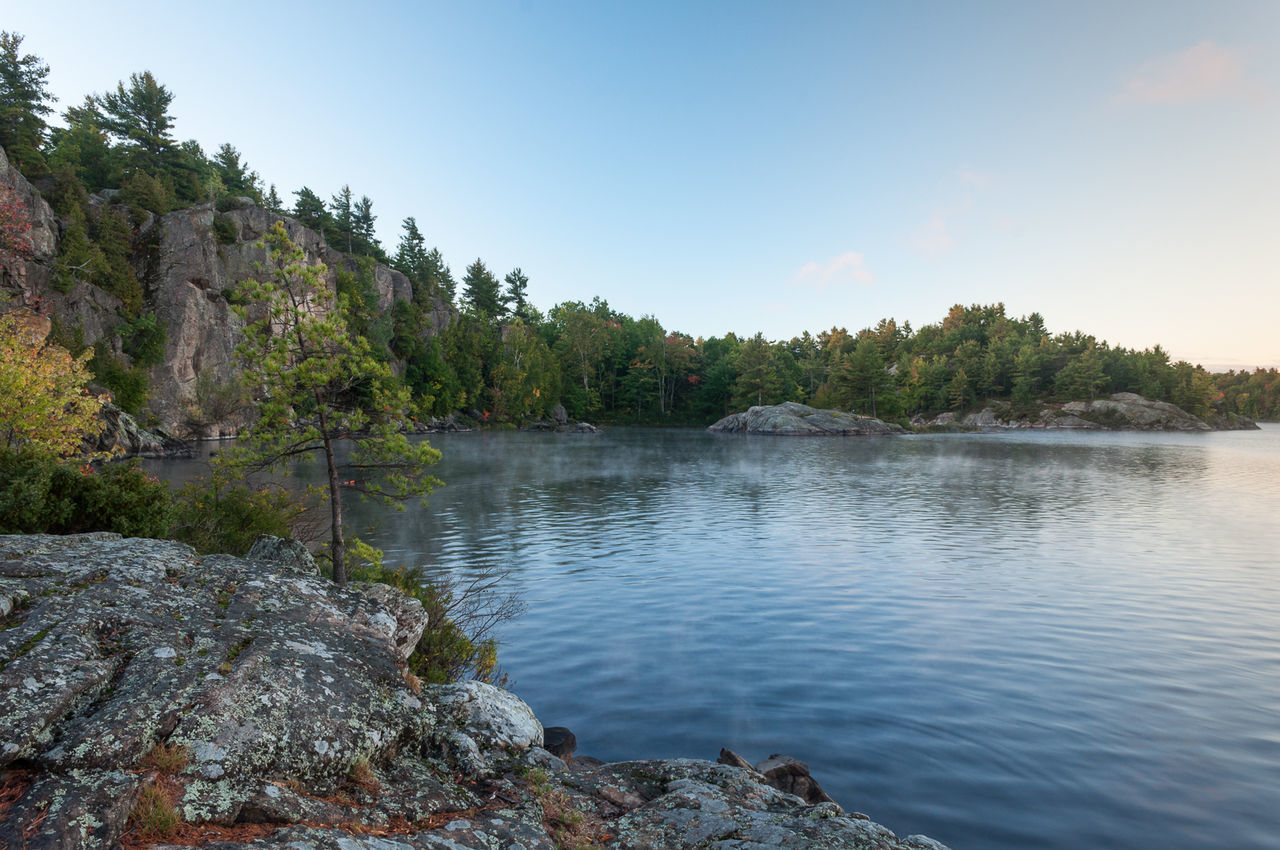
x=1004, y=641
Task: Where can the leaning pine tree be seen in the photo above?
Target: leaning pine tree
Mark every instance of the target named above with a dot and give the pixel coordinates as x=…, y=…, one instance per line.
x=317, y=383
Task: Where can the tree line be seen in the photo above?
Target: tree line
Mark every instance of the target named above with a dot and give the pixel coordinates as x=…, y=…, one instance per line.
x=499, y=357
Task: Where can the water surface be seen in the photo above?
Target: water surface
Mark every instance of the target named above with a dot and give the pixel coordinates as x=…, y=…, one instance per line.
x=1003, y=641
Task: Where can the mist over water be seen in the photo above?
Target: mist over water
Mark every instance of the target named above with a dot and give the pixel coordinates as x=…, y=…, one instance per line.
x=1003, y=641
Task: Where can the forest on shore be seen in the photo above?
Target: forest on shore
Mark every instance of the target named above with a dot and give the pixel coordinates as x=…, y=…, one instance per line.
x=500, y=358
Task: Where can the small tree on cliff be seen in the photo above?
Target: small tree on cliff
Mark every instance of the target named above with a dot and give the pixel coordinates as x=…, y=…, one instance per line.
x=319, y=383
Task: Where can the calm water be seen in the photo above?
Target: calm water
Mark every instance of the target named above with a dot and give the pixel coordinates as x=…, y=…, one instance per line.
x=1003, y=641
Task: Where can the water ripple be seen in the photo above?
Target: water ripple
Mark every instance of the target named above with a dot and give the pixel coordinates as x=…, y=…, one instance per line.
x=1049, y=640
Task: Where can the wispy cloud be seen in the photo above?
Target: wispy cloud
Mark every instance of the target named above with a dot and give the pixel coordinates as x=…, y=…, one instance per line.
x=970, y=177
x=848, y=267
x=1207, y=71
x=934, y=237
x=939, y=233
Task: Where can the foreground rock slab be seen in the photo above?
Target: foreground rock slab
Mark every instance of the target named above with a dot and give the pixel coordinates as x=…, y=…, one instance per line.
x=259, y=705
x=792, y=419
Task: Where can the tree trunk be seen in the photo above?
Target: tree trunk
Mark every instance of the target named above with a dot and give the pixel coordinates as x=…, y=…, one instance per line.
x=337, y=545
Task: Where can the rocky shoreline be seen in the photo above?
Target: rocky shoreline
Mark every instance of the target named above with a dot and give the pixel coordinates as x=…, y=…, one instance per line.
x=153, y=698
x=1120, y=412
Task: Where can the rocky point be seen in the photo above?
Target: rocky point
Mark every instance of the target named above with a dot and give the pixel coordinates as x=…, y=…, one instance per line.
x=150, y=697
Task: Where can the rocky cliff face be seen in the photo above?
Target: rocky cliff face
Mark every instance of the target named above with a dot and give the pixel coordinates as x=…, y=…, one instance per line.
x=197, y=275
x=31, y=282
x=187, y=281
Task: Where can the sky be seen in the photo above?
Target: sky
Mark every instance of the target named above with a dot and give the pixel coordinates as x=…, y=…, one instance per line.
x=777, y=167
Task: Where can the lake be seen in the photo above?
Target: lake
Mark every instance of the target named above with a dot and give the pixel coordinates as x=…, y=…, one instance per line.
x=1012, y=640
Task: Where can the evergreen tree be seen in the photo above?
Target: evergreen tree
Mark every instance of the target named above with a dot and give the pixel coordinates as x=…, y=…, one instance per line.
x=758, y=380
x=447, y=286
x=482, y=291
x=139, y=117
x=319, y=382
x=310, y=211
x=959, y=395
x=515, y=298
x=411, y=253
x=362, y=219
x=861, y=383
x=24, y=101
x=236, y=177
x=83, y=149
x=272, y=200
x=411, y=258
x=343, y=216
x=1081, y=377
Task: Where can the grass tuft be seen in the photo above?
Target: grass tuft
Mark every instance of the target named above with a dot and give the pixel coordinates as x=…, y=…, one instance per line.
x=154, y=816
x=167, y=758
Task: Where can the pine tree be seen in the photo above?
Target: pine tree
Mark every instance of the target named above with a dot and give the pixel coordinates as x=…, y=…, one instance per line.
x=139, y=117
x=482, y=291
x=758, y=379
x=310, y=211
x=860, y=380
x=515, y=298
x=24, y=101
x=319, y=381
x=342, y=216
x=362, y=219
x=236, y=177
x=446, y=286
x=411, y=259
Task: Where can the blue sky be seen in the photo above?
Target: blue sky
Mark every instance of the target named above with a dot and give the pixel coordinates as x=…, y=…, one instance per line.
x=775, y=167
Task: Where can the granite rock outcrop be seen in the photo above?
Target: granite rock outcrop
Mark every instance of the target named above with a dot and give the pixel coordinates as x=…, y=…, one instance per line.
x=1120, y=412
x=792, y=419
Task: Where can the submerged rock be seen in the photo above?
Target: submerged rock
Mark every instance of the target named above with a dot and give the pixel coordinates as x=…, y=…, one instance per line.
x=794, y=419
x=266, y=701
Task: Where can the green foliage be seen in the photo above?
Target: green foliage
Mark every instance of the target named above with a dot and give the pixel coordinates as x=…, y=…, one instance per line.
x=310, y=211
x=214, y=402
x=24, y=102
x=96, y=249
x=219, y=515
x=461, y=615
x=40, y=494
x=143, y=340
x=481, y=291
x=83, y=151
x=862, y=385
x=427, y=273
x=129, y=385
x=224, y=229
x=44, y=405
x=319, y=381
x=143, y=193
x=138, y=115
x=758, y=379
x=235, y=176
